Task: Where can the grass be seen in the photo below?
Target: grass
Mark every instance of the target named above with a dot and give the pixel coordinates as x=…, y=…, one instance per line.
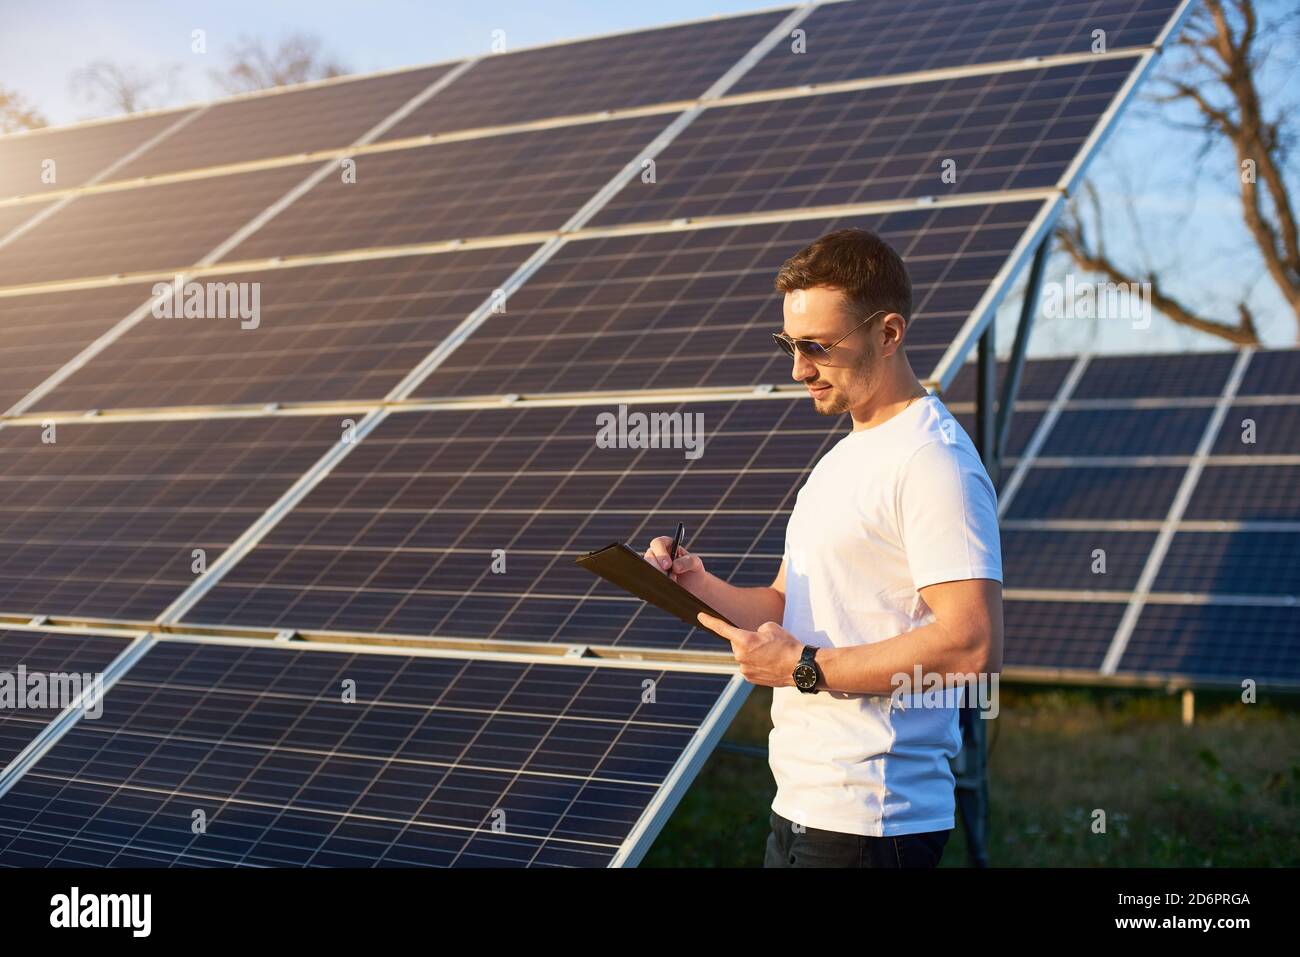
x=1224, y=792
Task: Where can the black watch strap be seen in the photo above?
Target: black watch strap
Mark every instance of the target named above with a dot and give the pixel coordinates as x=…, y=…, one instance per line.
x=808, y=660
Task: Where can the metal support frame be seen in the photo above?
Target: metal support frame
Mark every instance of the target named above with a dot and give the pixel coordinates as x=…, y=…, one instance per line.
x=992, y=425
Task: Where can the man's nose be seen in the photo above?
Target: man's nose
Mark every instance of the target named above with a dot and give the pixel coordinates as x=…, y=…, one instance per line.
x=803, y=367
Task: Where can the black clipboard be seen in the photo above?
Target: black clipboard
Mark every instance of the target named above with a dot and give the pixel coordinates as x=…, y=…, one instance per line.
x=620, y=565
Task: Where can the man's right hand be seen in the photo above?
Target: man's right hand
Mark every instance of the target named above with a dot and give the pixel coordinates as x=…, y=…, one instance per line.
x=687, y=570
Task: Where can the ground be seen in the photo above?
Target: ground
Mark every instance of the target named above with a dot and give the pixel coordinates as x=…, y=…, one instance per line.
x=1224, y=792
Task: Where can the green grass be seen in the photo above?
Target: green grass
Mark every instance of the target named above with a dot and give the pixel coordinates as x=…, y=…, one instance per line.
x=1224, y=792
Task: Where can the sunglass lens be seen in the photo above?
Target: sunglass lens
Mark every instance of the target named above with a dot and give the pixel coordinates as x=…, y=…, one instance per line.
x=785, y=345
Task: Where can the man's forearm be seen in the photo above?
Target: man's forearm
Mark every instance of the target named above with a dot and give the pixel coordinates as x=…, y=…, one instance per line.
x=747, y=607
x=871, y=668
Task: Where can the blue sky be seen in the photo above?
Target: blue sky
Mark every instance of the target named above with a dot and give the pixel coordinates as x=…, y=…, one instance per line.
x=1189, y=224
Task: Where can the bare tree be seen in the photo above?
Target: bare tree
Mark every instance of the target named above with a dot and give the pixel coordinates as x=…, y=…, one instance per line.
x=1225, y=56
x=16, y=113
x=297, y=58
x=125, y=89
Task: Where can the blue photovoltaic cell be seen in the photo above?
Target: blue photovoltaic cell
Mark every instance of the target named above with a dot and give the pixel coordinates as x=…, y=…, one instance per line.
x=1161, y=376
x=1040, y=380
x=43, y=654
x=848, y=41
x=1096, y=560
x=1259, y=430
x=1023, y=424
x=1126, y=432
x=399, y=538
x=1098, y=492
x=45, y=160
x=1232, y=563
x=1005, y=131
x=1246, y=493
x=1228, y=642
x=697, y=307
x=1275, y=372
x=104, y=520
x=30, y=354
x=1053, y=634
x=439, y=761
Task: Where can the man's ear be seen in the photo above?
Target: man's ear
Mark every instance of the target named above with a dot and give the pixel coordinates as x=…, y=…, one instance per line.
x=892, y=331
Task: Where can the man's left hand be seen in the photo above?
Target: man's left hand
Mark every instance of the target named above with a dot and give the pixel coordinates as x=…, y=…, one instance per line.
x=767, y=656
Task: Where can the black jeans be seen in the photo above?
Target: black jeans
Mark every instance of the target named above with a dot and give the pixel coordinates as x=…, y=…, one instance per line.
x=815, y=848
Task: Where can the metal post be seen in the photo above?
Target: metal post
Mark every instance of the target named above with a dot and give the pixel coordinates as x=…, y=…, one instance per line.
x=1016, y=364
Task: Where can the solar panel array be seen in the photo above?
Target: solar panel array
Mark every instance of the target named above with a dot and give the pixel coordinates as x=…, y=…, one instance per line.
x=459, y=271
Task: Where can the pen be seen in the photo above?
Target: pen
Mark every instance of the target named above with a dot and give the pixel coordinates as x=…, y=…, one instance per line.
x=677, y=541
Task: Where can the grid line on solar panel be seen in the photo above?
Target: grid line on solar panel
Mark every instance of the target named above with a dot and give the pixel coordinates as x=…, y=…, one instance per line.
x=328, y=332
x=665, y=65
x=50, y=654
x=153, y=229
x=399, y=537
x=513, y=183
x=1004, y=131
x=433, y=750
x=1230, y=642
x=41, y=332
x=692, y=308
x=104, y=520
x=1055, y=634
x=845, y=41
x=1241, y=562
x=59, y=159
x=287, y=123
x=1075, y=560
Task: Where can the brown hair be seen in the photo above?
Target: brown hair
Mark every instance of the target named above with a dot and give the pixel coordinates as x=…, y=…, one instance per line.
x=858, y=263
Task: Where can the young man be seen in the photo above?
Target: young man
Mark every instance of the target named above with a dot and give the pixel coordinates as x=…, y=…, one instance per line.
x=891, y=562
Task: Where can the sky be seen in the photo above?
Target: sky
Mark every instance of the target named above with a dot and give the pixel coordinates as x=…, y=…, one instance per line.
x=1160, y=205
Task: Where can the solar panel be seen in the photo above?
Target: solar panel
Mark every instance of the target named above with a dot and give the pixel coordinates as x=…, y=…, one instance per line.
x=1058, y=634
x=1040, y=380
x=332, y=331
x=256, y=127
x=847, y=41
x=442, y=761
x=1135, y=377
x=1003, y=131
x=1255, y=492
x=1272, y=372
x=1233, y=642
x=1093, y=560
x=695, y=307
x=45, y=160
x=103, y=234
x=634, y=69
x=29, y=353
x=11, y=217
x=1097, y=492
x=1240, y=562
x=520, y=182
x=48, y=656
x=1128, y=432
x=103, y=521
x=399, y=538
x=1259, y=430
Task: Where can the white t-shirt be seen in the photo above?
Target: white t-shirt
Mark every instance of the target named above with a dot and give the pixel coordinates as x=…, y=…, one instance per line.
x=887, y=511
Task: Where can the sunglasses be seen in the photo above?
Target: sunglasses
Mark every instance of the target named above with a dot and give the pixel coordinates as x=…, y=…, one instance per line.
x=811, y=348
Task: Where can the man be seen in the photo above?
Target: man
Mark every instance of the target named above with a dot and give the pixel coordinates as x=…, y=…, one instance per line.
x=892, y=562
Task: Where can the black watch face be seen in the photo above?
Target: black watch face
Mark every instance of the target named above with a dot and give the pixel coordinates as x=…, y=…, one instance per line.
x=805, y=676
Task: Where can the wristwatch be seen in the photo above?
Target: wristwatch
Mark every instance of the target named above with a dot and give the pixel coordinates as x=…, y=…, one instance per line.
x=806, y=672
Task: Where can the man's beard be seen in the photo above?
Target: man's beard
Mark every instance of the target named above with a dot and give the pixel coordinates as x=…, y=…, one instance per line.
x=864, y=381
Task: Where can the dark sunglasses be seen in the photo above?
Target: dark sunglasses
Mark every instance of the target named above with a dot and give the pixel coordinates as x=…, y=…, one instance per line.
x=811, y=348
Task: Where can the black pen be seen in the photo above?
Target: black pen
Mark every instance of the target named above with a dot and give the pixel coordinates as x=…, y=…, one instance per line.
x=677, y=541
